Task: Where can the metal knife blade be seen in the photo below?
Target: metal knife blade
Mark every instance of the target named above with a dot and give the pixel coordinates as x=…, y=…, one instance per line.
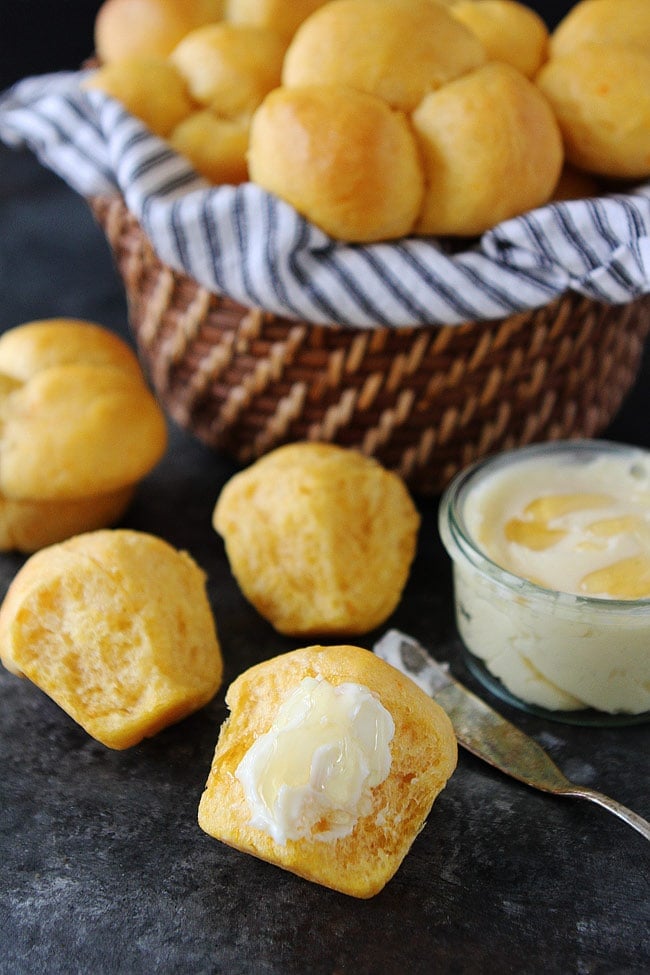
x=487, y=734
x=479, y=728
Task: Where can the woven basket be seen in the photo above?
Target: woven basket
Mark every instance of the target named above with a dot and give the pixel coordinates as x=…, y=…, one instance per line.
x=424, y=401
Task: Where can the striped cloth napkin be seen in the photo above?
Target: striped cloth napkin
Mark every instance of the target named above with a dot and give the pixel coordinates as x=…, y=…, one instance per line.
x=242, y=242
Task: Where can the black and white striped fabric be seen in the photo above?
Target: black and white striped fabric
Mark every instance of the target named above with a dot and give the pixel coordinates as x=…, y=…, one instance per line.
x=243, y=242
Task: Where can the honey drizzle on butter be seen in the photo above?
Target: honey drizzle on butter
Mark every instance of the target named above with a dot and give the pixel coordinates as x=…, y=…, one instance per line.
x=627, y=578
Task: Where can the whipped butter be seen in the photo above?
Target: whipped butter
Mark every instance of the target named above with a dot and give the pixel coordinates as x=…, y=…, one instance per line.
x=581, y=528
x=566, y=626
x=311, y=774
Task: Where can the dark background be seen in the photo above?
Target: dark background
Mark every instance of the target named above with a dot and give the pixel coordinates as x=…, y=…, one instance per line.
x=104, y=868
x=37, y=36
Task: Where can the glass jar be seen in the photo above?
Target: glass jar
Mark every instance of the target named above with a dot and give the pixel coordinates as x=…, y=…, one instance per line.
x=577, y=658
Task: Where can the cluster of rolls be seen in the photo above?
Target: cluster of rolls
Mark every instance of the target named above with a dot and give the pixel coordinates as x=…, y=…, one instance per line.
x=196, y=70
x=116, y=627
x=113, y=624
x=379, y=119
x=306, y=527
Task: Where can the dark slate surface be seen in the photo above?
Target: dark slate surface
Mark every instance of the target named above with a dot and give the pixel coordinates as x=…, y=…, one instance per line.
x=104, y=869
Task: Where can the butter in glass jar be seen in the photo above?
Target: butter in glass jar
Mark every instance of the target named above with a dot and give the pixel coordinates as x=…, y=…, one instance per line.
x=551, y=560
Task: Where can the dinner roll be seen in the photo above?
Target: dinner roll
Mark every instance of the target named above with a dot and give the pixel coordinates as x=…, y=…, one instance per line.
x=343, y=158
x=327, y=766
x=398, y=50
x=76, y=423
x=283, y=16
x=615, y=22
x=150, y=88
x=34, y=450
x=215, y=146
x=148, y=28
x=509, y=31
x=230, y=68
x=491, y=149
x=600, y=94
x=319, y=538
x=115, y=626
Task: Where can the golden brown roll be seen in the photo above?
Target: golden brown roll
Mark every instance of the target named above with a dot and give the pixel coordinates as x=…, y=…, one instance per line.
x=77, y=428
x=150, y=88
x=148, y=28
x=230, y=68
x=216, y=147
x=115, y=626
x=80, y=428
x=509, y=31
x=625, y=22
x=343, y=158
x=398, y=50
x=600, y=94
x=380, y=749
x=319, y=538
x=491, y=148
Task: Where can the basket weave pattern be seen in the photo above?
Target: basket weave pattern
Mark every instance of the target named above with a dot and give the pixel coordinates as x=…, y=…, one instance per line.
x=424, y=401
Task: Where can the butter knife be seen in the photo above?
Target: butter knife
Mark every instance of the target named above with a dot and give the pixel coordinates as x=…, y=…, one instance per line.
x=485, y=733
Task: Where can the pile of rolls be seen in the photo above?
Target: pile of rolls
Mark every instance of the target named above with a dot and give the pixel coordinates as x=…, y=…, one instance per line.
x=380, y=119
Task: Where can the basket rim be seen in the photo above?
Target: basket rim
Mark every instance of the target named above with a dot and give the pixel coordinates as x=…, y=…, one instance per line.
x=243, y=242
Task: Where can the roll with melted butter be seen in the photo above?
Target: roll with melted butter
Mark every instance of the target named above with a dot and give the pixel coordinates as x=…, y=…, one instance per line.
x=328, y=766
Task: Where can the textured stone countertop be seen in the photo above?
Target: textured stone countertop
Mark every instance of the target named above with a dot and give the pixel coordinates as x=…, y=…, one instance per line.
x=104, y=868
